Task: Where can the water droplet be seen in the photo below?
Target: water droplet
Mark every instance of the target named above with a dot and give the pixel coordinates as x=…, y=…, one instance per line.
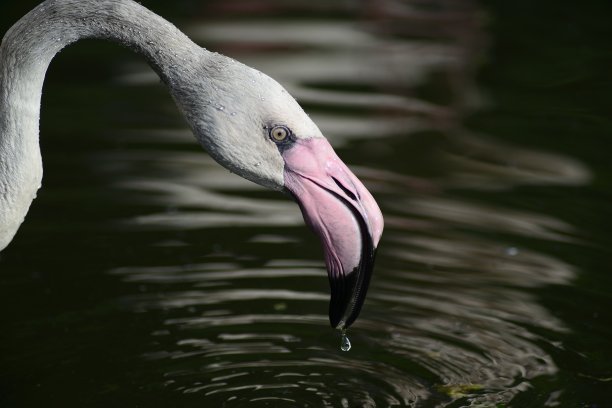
x=233, y=114
x=220, y=107
x=512, y=251
x=345, y=343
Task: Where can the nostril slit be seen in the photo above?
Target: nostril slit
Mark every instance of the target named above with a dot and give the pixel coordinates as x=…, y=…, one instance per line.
x=346, y=191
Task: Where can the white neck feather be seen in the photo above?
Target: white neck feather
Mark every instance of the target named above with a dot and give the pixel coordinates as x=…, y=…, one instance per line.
x=26, y=51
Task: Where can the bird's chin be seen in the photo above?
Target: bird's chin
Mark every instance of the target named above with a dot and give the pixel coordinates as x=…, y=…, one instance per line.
x=344, y=215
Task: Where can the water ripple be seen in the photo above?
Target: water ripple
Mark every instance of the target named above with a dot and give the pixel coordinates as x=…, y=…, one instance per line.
x=452, y=316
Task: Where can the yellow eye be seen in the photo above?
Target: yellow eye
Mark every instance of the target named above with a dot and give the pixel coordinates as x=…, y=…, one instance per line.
x=279, y=133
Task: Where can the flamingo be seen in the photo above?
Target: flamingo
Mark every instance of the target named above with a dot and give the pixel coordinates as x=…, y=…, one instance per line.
x=267, y=139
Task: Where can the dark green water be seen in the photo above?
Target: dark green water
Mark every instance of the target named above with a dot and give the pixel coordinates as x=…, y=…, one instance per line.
x=146, y=275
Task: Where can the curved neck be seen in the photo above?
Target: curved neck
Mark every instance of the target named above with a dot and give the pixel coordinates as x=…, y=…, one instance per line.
x=27, y=50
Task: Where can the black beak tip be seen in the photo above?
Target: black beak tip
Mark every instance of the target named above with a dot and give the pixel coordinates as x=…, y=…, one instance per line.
x=348, y=293
x=336, y=311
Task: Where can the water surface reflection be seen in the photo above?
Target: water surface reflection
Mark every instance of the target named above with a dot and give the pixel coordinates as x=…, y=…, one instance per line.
x=450, y=311
x=229, y=290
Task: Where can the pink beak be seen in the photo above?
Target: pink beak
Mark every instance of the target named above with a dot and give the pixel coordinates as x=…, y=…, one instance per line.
x=343, y=214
